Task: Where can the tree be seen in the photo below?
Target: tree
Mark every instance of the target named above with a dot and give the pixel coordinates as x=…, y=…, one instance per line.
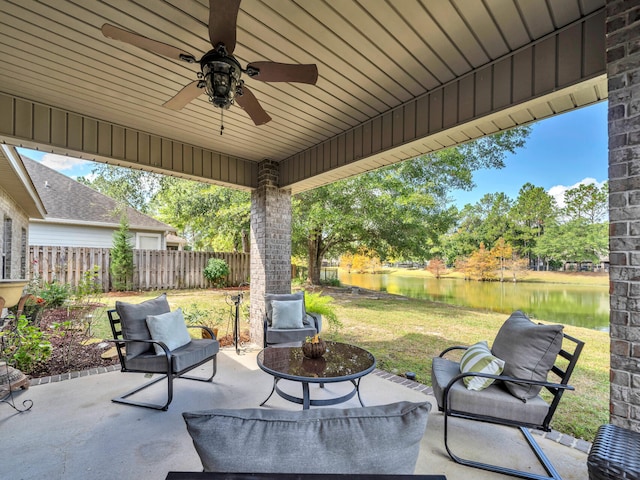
x=210, y=217
x=533, y=211
x=581, y=233
x=437, y=268
x=483, y=222
x=135, y=188
x=379, y=211
x=586, y=202
x=519, y=267
x=121, y=263
x=482, y=264
x=503, y=252
x=399, y=211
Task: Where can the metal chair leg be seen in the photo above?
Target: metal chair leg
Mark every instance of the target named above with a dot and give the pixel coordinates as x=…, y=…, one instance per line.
x=170, y=377
x=542, y=458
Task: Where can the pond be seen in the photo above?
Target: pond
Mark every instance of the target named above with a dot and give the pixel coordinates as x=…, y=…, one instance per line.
x=580, y=305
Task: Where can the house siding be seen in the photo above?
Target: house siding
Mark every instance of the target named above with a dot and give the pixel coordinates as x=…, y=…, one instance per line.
x=19, y=222
x=57, y=235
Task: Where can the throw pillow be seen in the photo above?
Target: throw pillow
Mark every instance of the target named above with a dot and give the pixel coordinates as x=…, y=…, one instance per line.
x=270, y=297
x=287, y=314
x=170, y=329
x=529, y=350
x=382, y=439
x=478, y=358
x=134, y=322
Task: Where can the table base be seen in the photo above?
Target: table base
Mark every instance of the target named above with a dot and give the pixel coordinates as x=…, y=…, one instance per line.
x=306, y=400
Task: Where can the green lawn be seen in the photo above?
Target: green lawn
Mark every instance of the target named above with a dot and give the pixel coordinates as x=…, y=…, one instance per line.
x=404, y=334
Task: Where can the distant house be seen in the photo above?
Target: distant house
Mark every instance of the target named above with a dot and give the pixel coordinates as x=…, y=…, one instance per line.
x=19, y=202
x=79, y=216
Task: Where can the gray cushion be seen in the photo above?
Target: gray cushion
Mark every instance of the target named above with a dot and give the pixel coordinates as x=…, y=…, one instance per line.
x=134, y=321
x=494, y=401
x=381, y=439
x=529, y=350
x=287, y=313
x=283, y=297
x=275, y=335
x=168, y=328
x=181, y=358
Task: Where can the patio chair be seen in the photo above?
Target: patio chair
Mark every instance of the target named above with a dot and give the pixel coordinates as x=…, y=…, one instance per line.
x=151, y=339
x=286, y=319
x=502, y=385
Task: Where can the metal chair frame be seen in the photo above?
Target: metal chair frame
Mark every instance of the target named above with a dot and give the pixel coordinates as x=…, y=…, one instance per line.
x=556, y=389
x=120, y=342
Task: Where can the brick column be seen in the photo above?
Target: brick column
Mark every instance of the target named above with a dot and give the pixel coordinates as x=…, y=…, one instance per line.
x=270, y=243
x=623, y=69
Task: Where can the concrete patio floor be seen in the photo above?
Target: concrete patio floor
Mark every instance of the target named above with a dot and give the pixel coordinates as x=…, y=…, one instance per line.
x=74, y=431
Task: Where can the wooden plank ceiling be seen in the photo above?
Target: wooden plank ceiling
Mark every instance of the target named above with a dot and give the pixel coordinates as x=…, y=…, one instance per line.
x=375, y=58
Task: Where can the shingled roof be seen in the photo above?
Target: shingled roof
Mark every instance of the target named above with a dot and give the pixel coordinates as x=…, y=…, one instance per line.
x=69, y=201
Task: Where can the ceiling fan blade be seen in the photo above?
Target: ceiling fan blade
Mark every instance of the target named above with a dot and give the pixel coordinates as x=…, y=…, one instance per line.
x=136, y=40
x=223, y=16
x=184, y=96
x=250, y=104
x=284, y=72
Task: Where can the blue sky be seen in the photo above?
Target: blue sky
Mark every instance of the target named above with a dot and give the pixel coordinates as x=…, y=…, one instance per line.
x=561, y=152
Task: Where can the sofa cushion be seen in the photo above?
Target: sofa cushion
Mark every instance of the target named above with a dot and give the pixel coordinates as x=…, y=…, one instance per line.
x=134, y=322
x=168, y=328
x=287, y=314
x=529, y=350
x=380, y=439
x=269, y=297
x=478, y=359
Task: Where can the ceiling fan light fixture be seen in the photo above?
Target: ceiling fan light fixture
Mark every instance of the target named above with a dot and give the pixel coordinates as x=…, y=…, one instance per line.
x=221, y=78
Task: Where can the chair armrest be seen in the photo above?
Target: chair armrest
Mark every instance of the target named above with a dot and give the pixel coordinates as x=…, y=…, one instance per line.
x=455, y=347
x=317, y=318
x=202, y=327
x=264, y=331
x=154, y=342
x=504, y=378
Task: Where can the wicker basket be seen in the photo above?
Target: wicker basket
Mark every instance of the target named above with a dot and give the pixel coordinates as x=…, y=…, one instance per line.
x=614, y=454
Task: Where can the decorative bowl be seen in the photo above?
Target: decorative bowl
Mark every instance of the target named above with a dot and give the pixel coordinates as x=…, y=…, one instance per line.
x=11, y=291
x=314, y=350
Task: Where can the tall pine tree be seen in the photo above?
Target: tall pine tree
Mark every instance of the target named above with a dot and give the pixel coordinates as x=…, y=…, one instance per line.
x=122, y=257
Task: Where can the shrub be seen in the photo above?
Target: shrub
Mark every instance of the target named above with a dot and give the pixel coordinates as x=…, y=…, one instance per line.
x=216, y=271
x=55, y=294
x=122, y=266
x=25, y=345
x=322, y=304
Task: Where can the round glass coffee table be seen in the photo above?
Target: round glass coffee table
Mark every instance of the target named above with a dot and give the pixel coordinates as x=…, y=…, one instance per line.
x=341, y=363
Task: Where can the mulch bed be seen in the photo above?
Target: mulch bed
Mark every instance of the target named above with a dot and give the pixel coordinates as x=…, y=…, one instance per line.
x=69, y=354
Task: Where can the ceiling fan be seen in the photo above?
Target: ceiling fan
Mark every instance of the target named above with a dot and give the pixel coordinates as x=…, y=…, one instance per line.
x=220, y=76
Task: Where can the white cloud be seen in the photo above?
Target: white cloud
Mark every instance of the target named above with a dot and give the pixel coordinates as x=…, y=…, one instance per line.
x=62, y=163
x=558, y=191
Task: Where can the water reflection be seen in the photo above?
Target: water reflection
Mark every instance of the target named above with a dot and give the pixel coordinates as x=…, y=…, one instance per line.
x=579, y=305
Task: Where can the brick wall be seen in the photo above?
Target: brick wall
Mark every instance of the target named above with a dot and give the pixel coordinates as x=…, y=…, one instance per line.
x=623, y=69
x=19, y=222
x=270, y=243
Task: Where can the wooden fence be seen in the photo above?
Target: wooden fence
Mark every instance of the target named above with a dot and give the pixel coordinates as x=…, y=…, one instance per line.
x=154, y=269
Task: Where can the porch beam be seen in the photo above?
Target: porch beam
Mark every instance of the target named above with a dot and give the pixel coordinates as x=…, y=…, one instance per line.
x=41, y=127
